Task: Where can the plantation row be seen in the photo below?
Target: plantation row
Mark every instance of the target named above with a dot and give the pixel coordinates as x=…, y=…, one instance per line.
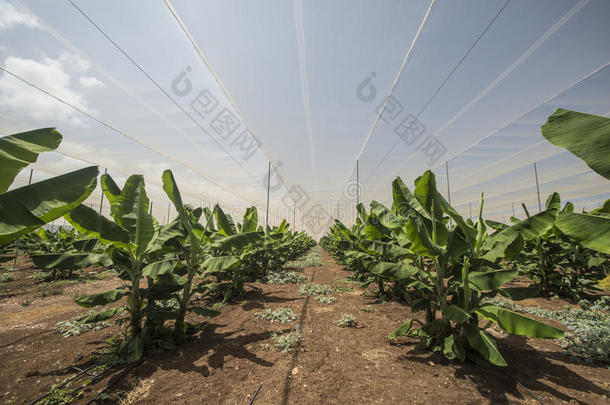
x=165, y=267
x=450, y=267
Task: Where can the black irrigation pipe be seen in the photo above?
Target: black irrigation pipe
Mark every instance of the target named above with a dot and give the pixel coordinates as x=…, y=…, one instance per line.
x=63, y=384
x=255, y=394
x=116, y=380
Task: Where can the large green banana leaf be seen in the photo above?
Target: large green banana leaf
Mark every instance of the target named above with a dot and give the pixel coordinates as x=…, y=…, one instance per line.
x=24, y=209
x=19, y=150
x=171, y=189
x=592, y=231
x=88, y=222
x=132, y=214
x=250, y=221
x=585, y=135
x=225, y=223
x=70, y=261
x=518, y=324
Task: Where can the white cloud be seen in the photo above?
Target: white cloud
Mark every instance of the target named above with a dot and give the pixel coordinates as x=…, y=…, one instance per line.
x=49, y=75
x=10, y=17
x=74, y=61
x=90, y=82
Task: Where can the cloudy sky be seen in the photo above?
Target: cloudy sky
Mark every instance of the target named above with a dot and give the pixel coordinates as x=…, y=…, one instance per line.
x=215, y=90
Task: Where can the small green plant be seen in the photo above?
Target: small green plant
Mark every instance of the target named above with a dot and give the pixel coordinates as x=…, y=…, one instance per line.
x=281, y=315
x=367, y=309
x=50, y=289
x=24, y=302
x=309, y=259
x=76, y=326
x=218, y=306
x=344, y=289
x=347, y=321
x=285, y=277
x=315, y=289
x=287, y=341
x=325, y=299
x=6, y=277
x=588, y=335
x=265, y=347
x=59, y=394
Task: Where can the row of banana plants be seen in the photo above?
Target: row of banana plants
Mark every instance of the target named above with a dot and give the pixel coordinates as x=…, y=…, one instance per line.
x=443, y=265
x=201, y=253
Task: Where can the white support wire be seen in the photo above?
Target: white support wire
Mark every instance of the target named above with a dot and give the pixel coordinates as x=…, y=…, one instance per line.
x=154, y=82
x=522, y=58
x=219, y=83
x=118, y=131
x=300, y=34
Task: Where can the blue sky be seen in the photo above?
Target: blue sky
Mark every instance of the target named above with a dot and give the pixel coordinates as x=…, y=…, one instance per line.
x=292, y=69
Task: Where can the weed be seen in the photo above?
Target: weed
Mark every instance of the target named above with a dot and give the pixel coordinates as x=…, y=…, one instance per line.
x=265, y=347
x=367, y=309
x=325, y=299
x=6, y=277
x=315, y=289
x=219, y=306
x=24, y=302
x=309, y=259
x=281, y=315
x=47, y=290
x=75, y=327
x=347, y=321
x=344, y=289
x=588, y=333
x=59, y=396
x=285, y=277
x=286, y=341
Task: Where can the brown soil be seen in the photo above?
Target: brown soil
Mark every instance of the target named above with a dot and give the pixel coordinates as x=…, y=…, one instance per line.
x=226, y=362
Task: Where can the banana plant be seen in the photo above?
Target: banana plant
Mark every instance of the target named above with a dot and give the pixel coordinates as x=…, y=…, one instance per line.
x=196, y=245
x=588, y=137
x=130, y=238
x=446, y=271
x=27, y=208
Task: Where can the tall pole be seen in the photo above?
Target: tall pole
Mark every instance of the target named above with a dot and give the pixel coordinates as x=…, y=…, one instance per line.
x=537, y=187
x=470, y=207
x=294, y=215
x=19, y=240
x=102, y=197
x=513, y=205
x=151, y=205
x=168, y=213
x=268, y=186
x=448, y=189
x=357, y=182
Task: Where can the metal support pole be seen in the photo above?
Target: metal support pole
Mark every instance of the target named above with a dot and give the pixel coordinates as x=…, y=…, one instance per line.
x=19, y=240
x=448, y=189
x=513, y=205
x=537, y=187
x=294, y=215
x=102, y=197
x=268, y=186
x=357, y=182
x=151, y=205
x=168, y=212
x=470, y=207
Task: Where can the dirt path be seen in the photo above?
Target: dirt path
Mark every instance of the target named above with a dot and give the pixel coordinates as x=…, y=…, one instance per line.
x=227, y=361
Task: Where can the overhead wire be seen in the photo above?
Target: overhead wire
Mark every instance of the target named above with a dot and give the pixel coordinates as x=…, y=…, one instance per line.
x=438, y=89
x=216, y=78
x=109, y=126
x=522, y=58
x=120, y=49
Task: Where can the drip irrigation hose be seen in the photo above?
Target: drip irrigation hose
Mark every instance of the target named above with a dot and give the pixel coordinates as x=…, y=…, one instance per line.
x=63, y=384
x=255, y=394
x=116, y=380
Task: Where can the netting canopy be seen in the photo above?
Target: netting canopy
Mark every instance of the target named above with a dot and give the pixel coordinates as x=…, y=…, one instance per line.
x=333, y=99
